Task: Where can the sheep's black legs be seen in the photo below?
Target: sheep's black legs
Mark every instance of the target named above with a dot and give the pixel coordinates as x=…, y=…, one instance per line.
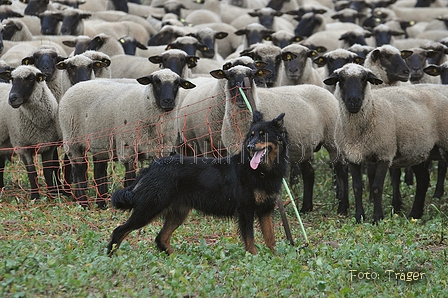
x=376, y=189
x=79, y=170
x=395, y=177
x=308, y=183
x=341, y=173
x=130, y=174
x=441, y=174
x=355, y=170
x=408, y=176
x=100, y=176
x=422, y=176
x=2, y=171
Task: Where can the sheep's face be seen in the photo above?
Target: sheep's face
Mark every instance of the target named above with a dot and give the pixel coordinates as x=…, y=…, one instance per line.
x=308, y=24
x=272, y=55
x=9, y=29
x=295, y=62
x=417, y=61
x=254, y=34
x=45, y=61
x=392, y=62
x=71, y=19
x=176, y=60
x=49, y=23
x=354, y=37
x=337, y=59
x=165, y=86
x=352, y=80
x=35, y=7
x=23, y=85
x=438, y=70
x=80, y=68
x=239, y=77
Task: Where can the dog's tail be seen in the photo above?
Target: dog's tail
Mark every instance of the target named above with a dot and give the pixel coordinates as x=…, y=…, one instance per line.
x=123, y=199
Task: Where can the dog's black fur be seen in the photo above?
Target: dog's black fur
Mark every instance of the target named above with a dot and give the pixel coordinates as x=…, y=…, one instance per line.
x=225, y=187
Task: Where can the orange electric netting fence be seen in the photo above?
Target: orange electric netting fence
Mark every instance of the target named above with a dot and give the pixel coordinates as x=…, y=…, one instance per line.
x=196, y=129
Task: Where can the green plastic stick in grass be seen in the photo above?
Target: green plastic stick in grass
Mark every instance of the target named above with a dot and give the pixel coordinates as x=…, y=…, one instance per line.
x=288, y=191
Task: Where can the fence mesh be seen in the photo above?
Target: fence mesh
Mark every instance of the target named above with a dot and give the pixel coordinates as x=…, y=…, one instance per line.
x=196, y=129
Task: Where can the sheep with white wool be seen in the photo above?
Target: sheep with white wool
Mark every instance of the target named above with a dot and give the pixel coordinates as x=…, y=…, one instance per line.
x=387, y=64
x=313, y=114
x=106, y=44
x=127, y=121
x=389, y=127
x=416, y=62
x=29, y=117
x=298, y=67
x=202, y=109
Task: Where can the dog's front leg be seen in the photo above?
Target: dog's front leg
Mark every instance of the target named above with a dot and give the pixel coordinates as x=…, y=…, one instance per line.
x=246, y=227
x=267, y=228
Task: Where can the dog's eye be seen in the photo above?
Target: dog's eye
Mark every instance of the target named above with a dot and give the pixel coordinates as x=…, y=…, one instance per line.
x=252, y=133
x=261, y=133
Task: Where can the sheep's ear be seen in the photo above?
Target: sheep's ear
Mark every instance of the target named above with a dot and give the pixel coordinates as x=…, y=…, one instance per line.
x=155, y=59
x=335, y=16
x=257, y=116
x=247, y=53
x=297, y=38
x=240, y=32
x=253, y=14
x=202, y=48
x=221, y=35
x=69, y=43
x=320, y=61
x=321, y=49
x=431, y=54
x=186, y=84
x=5, y=75
x=288, y=56
x=406, y=54
x=28, y=61
x=372, y=79
x=320, y=11
x=261, y=73
x=332, y=79
x=40, y=77
x=145, y=80
x=396, y=33
x=60, y=58
x=169, y=47
x=359, y=60
x=267, y=37
x=98, y=64
x=141, y=46
x=432, y=70
x=260, y=64
x=375, y=54
x=218, y=74
x=278, y=122
x=85, y=15
x=61, y=65
x=106, y=61
x=312, y=54
x=226, y=66
x=192, y=61
x=278, y=14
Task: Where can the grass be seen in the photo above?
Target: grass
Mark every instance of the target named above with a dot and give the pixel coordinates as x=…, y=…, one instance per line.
x=58, y=250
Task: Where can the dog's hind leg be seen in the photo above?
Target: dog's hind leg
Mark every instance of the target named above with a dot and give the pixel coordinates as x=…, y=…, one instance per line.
x=139, y=218
x=267, y=228
x=174, y=217
x=246, y=227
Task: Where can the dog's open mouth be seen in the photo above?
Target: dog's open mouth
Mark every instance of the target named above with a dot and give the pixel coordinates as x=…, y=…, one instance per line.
x=257, y=157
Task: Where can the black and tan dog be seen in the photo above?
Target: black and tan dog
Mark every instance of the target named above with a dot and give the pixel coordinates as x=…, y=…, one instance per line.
x=243, y=186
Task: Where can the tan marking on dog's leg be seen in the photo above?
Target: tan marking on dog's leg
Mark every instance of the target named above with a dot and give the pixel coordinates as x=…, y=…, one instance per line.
x=267, y=228
x=260, y=197
x=249, y=245
x=173, y=219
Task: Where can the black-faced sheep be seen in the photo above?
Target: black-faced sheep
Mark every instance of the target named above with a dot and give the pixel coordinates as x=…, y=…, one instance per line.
x=29, y=117
x=389, y=127
x=297, y=66
x=124, y=120
x=309, y=132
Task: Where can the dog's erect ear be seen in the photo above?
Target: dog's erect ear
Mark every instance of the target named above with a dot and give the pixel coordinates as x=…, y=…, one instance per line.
x=257, y=116
x=278, y=122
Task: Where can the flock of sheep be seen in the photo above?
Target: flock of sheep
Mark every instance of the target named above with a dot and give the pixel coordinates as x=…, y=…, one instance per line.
x=127, y=81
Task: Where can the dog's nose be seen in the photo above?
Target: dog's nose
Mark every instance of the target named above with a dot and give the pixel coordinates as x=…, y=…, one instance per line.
x=251, y=146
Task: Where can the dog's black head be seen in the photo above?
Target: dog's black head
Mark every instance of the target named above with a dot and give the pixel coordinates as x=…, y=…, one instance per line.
x=266, y=142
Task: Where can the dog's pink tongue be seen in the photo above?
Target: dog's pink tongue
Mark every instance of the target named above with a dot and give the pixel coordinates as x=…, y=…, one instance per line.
x=256, y=159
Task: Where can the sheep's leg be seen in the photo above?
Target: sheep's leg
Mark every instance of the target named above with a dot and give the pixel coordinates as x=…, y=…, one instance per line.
x=395, y=179
x=32, y=173
x=441, y=174
x=408, y=176
x=376, y=190
x=2, y=171
x=50, y=164
x=355, y=170
x=79, y=172
x=173, y=219
x=100, y=177
x=370, y=176
x=308, y=183
x=341, y=173
x=246, y=228
x=294, y=174
x=130, y=175
x=422, y=177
